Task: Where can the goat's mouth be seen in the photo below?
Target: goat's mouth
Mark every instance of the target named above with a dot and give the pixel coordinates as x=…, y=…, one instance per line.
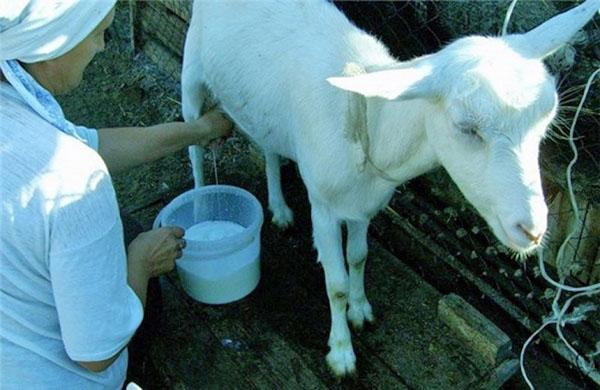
x=520, y=254
x=520, y=247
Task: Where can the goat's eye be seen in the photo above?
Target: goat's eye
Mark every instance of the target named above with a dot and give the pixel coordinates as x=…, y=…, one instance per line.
x=470, y=129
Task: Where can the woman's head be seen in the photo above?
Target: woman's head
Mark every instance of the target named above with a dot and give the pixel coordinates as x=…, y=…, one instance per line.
x=54, y=40
x=64, y=73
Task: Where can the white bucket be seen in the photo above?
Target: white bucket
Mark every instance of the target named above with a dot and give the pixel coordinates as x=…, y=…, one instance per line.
x=220, y=270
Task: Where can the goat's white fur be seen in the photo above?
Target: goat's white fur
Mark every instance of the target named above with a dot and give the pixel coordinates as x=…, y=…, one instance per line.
x=479, y=107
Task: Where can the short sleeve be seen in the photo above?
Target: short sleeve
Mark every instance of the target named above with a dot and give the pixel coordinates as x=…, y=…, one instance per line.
x=87, y=136
x=98, y=312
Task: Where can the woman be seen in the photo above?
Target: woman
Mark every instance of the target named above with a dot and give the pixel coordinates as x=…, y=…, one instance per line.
x=70, y=296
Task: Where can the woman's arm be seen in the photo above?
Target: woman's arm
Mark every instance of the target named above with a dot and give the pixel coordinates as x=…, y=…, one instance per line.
x=125, y=147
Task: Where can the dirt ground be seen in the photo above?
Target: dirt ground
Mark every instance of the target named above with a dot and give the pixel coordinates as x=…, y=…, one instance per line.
x=287, y=317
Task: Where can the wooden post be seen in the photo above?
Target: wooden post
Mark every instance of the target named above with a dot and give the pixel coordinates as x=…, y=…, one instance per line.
x=132, y=25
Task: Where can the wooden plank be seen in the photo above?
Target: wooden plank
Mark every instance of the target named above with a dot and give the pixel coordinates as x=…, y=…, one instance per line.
x=296, y=305
x=210, y=347
x=163, y=58
x=506, y=277
x=409, y=336
x=590, y=250
x=156, y=21
x=580, y=251
x=596, y=267
x=474, y=330
x=498, y=269
x=181, y=8
x=188, y=355
x=500, y=375
x=425, y=249
x=151, y=198
x=132, y=8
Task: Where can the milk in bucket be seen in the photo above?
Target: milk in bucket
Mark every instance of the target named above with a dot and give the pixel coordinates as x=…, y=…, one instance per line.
x=212, y=230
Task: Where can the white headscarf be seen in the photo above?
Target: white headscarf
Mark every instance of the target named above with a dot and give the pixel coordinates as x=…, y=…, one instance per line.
x=40, y=30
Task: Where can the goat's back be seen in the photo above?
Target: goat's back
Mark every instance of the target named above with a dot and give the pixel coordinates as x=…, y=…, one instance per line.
x=267, y=63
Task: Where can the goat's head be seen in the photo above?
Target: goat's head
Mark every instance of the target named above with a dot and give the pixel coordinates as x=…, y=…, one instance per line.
x=491, y=100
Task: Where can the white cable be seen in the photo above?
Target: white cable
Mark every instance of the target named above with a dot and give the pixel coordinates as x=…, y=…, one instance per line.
x=559, y=323
x=558, y=320
x=574, y=207
x=557, y=317
x=509, y=12
x=522, y=356
x=558, y=284
x=572, y=199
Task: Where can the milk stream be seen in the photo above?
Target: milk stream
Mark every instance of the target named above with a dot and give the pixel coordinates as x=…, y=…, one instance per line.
x=214, y=161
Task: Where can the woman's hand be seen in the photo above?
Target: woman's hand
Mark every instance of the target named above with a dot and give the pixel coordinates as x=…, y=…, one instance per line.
x=210, y=126
x=153, y=253
x=123, y=148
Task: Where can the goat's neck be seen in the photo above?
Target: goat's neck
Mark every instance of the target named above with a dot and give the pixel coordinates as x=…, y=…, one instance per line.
x=399, y=148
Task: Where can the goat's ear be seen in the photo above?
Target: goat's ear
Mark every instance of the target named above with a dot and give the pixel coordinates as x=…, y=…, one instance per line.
x=548, y=37
x=392, y=84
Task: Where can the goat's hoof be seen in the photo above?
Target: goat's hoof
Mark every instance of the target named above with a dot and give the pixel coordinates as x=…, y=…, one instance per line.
x=342, y=361
x=358, y=313
x=283, y=217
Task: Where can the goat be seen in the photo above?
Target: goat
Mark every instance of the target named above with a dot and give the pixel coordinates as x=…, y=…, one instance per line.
x=306, y=84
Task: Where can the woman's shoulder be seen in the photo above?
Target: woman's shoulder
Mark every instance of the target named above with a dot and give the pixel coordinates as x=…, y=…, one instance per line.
x=33, y=135
x=34, y=151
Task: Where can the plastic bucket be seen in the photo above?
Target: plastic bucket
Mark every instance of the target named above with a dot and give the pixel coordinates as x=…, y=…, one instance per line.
x=220, y=270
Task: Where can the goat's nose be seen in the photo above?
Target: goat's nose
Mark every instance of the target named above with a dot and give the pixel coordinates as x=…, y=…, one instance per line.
x=533, y=236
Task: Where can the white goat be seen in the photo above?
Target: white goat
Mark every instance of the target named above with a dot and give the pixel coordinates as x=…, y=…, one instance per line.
x=479, y=107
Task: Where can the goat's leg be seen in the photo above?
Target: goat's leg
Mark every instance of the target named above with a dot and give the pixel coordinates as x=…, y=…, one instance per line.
x=359, y=308
x=282, y=214
x=328, y=241
x=193, y=94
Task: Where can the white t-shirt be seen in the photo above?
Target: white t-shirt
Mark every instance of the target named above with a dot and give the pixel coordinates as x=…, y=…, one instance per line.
x=63, y=271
